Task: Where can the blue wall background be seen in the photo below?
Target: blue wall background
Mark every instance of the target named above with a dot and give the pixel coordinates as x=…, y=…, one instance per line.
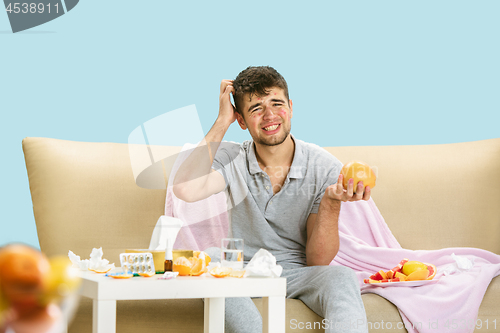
x=367, y=72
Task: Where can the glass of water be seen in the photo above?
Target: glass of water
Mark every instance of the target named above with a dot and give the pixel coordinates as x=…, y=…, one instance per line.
x=232, y=253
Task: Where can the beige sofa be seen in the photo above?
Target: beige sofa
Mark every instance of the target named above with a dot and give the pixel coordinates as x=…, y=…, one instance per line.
x=433, y=196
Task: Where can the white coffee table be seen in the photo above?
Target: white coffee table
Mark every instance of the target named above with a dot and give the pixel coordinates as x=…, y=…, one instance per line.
x=105, y=291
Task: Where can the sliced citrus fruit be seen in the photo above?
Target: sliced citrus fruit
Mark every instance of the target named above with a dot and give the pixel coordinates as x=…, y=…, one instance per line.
x=412, y=266
x=237, y=274
x=220, y=272
x=432, y=271
x=380, y=275
x=400, y=276
x=197, y=266
x=201, y=255
x=399, y=266
x=417, y=275
x=182, y=265
x=100, y=271
x=120, y=275
x=147, y=274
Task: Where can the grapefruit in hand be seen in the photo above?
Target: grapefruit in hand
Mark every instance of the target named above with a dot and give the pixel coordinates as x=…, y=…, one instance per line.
x=359, y=171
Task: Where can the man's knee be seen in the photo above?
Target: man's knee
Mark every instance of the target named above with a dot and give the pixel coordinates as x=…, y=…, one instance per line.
x=341, y=275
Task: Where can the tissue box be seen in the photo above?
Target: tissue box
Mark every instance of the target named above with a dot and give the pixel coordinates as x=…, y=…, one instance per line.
x=159, y=256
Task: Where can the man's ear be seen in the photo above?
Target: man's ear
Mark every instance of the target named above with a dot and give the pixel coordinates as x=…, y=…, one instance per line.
x=241, y=121
x=291, y=108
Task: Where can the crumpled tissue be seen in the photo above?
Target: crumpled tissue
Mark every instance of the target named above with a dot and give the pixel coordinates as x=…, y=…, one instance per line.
x=460, y=265
x=96, y=262
x=263, y=264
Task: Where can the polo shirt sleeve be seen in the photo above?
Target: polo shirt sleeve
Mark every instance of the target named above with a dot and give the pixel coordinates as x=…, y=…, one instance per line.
x=224, y=160
x=330, y=179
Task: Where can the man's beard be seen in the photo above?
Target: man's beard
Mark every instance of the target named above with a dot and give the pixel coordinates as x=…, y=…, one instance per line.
x=273, y=141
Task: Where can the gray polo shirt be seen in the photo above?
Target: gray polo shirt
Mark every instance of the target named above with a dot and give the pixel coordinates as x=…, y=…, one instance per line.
x=276, y=222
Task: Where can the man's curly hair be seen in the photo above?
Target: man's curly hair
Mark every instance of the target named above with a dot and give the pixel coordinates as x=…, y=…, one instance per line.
x=258, y=81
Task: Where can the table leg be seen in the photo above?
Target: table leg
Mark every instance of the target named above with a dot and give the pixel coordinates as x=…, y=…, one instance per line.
x=214, y=315
x=103, y=316
x=273, y=314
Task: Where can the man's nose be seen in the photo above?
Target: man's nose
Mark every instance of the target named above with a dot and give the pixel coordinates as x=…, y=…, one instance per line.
x=268, y=112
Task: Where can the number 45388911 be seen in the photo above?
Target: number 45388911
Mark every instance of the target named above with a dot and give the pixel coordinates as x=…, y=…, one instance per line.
x=31, y=8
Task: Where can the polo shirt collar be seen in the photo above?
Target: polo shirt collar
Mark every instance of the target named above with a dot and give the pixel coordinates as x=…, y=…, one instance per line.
x=297, y=168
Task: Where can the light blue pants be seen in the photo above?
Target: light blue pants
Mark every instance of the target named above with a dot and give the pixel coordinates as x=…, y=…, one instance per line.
x=332, y=292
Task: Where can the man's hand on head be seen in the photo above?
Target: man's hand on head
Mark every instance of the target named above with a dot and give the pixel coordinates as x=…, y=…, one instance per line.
x=227, y=111
x=337, y=191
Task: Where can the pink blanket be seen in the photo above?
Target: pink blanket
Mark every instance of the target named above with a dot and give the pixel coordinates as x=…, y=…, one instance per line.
x=206, y=219
x=449, y=305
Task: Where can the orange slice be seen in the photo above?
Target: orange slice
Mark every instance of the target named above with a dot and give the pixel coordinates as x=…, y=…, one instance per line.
x=197, y=266
x=148, y=274
x=100, y=271
x=401, y=276
x=182, y=265
x=418, y=275
x=237, y=274
x=196, y=254
x=121, y=276
x=220, y=272
x=432, y=271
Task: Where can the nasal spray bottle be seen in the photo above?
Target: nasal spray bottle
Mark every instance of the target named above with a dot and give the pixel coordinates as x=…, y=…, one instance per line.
x=171, y=227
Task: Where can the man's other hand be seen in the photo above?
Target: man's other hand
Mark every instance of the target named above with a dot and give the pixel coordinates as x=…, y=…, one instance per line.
x=337, y=191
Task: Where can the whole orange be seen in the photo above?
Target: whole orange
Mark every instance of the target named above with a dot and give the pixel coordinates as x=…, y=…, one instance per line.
x=23, y=271
x=359, y=171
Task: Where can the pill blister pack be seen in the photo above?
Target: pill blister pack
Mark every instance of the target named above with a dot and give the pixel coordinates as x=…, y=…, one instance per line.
x=137, y=263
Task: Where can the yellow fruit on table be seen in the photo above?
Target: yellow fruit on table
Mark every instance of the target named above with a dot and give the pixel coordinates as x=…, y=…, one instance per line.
x=197, y=266
x=220, y=272
x=237, y=274
x=200, y=254
x=182, y=265
x=190, y=267
x=412, y=266
x=359, y=171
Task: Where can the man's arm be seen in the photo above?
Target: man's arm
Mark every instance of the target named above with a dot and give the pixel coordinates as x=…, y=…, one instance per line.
x=323, y=228
x=196, y=180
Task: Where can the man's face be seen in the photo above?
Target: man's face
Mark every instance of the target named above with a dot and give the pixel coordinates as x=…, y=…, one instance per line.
x=268, y=118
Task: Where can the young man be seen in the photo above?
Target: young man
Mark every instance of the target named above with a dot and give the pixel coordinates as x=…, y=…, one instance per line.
x=287, y=196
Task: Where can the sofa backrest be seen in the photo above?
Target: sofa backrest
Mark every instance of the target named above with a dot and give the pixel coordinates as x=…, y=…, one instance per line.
x=436, y=196
x=85, y=195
